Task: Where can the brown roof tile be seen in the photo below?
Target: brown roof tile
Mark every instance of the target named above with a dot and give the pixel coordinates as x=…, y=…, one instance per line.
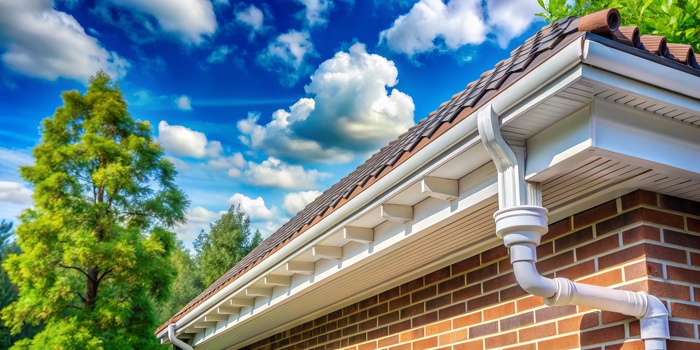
x=533, y=52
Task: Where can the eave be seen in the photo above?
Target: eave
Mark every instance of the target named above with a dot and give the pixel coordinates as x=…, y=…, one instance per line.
x=575, y=117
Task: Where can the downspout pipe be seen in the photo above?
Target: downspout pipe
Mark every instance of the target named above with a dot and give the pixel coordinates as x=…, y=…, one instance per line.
x=177, y=342
x=521, y=221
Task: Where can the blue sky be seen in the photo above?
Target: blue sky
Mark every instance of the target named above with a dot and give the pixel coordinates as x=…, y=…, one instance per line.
x=260, y=103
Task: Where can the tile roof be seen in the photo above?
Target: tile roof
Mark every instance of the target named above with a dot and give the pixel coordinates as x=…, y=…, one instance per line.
x=602, y=27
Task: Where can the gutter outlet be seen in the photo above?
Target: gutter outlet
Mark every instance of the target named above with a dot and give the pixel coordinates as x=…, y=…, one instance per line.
x=522, y=221
x=177, y=342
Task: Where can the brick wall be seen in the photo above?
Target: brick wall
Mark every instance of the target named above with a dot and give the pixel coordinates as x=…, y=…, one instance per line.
x=641, y=242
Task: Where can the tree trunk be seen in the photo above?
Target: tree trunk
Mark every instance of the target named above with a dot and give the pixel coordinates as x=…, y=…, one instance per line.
x=92, y=282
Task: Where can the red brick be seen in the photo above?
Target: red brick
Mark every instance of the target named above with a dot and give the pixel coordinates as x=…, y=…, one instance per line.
x=451, y=284
x=501, y=340
x=639, y=233
x=350, y=309
x=424, y=319
x=682, y=239
x=482, y=273
x=357, y=317
x=496, y=253
x=557, y=229
x=357, y=338
x=466, y=293
x=634, y=328
x=573, y=239
x=499, y=282
x=672, y=344
x=389, y=294
x=681, y=329
x=643, y=269
x=388, y=318
x=367, y=346
x=400, y=302
x=350, y=330
x=529, y=303
x=694, y=224
x=578, y=270
x=679, y=204
x=483, y=329
x=411, y=335
x=439, y=327
x=609, y=317
x=482, y=301
x=452, y=311
x=378, y=309
x=399, y=327
x=401, y=347
x=695, y=259
x=438, y=302
x=543, y=250
x=598, y=246
x=453, y=337
x=681, y=274
x=378, y=333
x=595, y=214
x=411, y=286
x=504, y=266
x=438, y=275
x=499, y=311
x=556, y=261
x=466, y=265
x=425, y=343
x=553, y=312
x=688, y=311
x=637, y=198
x=369, y=324
x=517, y=321
x=467, y=320
x=605, y=279
x=384, y=342
x=537, y=332
x=423, y=294
x=368, y=302
x=472, y=345
x=636, y=344
x=602, y=335
x=413, y=310
x=512, y=293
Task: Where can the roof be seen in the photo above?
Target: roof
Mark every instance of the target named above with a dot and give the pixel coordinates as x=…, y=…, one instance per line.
x=601, y=27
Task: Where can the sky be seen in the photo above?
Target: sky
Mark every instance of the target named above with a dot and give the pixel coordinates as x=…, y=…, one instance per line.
x=262, y=104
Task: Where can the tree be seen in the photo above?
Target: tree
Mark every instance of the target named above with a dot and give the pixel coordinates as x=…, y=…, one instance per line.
x=677, y=20
x=8, y=291
x=229, y=240
x=186, y=286
x=95, y=245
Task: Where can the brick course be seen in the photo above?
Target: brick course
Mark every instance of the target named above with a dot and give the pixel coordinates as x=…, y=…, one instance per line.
x=641, y=241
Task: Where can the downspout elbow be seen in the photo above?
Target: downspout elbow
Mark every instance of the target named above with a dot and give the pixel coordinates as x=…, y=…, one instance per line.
x=177, y=342
x=654, y=324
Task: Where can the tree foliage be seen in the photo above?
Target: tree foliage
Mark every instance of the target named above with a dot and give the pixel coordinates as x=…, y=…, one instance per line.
x=677, y=20
x=95, y=246
x=186, y=286
x=229, y=240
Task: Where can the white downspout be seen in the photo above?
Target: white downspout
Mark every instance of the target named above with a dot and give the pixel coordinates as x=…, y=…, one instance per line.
x=521, y=222
x=177, y=342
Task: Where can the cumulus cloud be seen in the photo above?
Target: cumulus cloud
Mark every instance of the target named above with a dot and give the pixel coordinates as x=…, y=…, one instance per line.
x=351, y=112
x=40, y=42
x=315, y=11
x=295, y=202
x=197, y=219
x=432, y=25
x=286, y=55
x=15, y=192
x=185, y=142
x=183, y=103
x=276, y=173
x=190, y=21
x=219, y=54
x=254, y=208
x=249, y=15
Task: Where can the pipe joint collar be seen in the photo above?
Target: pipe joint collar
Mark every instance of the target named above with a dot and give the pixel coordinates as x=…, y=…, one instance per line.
x=565, y=293
x=521, y=224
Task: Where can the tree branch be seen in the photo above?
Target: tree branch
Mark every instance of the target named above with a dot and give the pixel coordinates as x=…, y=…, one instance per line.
x=75, y=268
x=81, y=296
x=103, y=275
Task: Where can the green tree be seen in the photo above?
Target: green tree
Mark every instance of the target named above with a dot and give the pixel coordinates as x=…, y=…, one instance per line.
x=8, y=291
x=95, y=246
x=677, y=20
x=186, y=286
x=229, y=240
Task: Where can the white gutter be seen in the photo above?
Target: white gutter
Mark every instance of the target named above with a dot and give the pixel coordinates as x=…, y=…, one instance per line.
x=521, y=222
x=387, y=186
x=177, y=342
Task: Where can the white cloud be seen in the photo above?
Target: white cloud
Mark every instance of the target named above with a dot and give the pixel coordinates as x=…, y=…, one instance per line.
x=183, y=103
x=254, y=208
x=276, y=173
x=15, y=192
x=219, y=55
x=286, y=56
x=434, y=25
x=316, y=11
x=251, y=16
x=191, y=21
x=198, y=219
x=44, y=43
x=236, y=160
x=141, y=97
x=351, y=113
x=295, y=202
x=185, y=142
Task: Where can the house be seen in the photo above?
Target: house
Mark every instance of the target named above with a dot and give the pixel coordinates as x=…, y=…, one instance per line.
x=554, y=203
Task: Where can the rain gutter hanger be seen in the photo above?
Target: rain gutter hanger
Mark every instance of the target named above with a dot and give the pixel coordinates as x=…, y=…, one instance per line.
x=521, y=221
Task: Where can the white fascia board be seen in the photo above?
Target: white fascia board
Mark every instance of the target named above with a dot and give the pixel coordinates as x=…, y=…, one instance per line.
x=456, y=140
